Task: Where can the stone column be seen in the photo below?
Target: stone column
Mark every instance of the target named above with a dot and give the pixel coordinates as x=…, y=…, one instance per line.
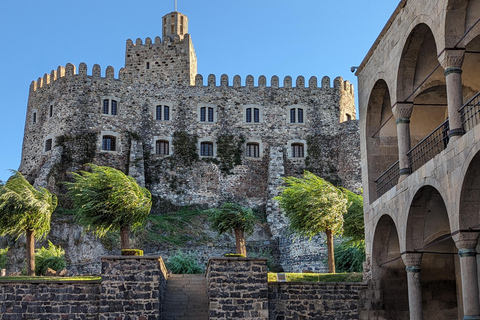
x=466, y=243
x=402, y=112
x=452, y=60
x=413, y=261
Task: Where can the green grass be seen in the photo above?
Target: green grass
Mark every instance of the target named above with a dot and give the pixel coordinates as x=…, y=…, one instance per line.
x=27, y=278
x=318, y=277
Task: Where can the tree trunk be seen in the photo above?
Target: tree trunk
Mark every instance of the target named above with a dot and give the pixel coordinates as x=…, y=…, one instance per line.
x=31, y=253
x=240, y=241
x=124, y=237
x=331, y=254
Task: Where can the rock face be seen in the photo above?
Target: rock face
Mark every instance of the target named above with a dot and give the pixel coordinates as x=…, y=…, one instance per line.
x=191, y=144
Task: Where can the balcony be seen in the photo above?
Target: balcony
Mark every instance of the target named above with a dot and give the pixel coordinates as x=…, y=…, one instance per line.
x=430, y=146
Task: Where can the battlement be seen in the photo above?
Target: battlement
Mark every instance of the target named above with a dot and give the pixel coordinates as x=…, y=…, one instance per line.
x=157, y=41
x=338, y=82
x=70, y=71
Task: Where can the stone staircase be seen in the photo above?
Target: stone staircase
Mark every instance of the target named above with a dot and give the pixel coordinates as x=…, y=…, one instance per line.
x=186, y=297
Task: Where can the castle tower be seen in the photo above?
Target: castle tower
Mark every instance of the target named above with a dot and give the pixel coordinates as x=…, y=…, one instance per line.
x=171, y=62
x=174, y=23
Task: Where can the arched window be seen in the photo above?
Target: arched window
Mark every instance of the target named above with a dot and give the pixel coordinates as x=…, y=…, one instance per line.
x=109, y=143
x=253, y=150
x=162, y=147
x=48, y=145
x=297, y=150
x=206, y=149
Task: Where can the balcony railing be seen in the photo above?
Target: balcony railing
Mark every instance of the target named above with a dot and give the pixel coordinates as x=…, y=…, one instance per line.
x=388, y=179
x=470, y=113
x=429, y=147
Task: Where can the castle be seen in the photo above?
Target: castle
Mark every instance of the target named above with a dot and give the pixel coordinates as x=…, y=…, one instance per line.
x=191, y=142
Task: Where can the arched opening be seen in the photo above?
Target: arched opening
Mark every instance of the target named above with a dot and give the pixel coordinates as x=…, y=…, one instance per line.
x=381, y=136
x=470, y=67
x=428, y=231
x=389, y=277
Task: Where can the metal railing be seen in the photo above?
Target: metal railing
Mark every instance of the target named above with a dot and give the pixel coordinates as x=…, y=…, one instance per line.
x=429, y=147
x=387, y=180
x=470, y=113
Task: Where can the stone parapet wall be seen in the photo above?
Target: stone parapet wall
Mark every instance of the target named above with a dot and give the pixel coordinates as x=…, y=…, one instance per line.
x=289, y=301
x=37, y=300
x=237, y=288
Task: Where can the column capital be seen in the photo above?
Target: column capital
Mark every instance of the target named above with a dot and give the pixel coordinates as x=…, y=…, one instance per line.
x=402, y=111
x=466, y=240
x=451, y=60
x=412, y=260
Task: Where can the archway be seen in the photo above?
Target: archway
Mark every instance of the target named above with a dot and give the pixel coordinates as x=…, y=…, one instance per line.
x=428, y=231
x=381, y=135
x=388, y=272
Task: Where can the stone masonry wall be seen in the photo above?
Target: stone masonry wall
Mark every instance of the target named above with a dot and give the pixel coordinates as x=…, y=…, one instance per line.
x=40, y=300
x=291, y=301
x=237, y=288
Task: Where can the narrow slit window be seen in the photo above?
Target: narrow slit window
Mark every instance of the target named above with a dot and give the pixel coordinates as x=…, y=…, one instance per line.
x=292, y=115
x=108, y=143
x=206, y=149
x=256, y=115
x=298, y=150
x=34, y=117
x=48, y=145
x=162, y=148
x=114, y=107
x=105, y=106
x=253, y=150
x=203, y=111
x=248, y=115
x=148, y=65
x=158, y=113
x=166, y=113
x=210, y=114
x=50, y=114
x=300, y=115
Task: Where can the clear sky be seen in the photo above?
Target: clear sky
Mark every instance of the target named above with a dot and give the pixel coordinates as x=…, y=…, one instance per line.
x=302, y=37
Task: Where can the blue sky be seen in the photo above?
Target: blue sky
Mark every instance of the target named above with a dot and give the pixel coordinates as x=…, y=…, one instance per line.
x=303, y=37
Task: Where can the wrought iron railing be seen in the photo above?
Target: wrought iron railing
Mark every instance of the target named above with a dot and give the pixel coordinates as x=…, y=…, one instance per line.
x=429, y=147
x=387, y=180
x=470, y=113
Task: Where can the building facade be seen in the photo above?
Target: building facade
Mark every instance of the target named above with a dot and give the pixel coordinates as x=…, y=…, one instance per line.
x=420, y=140
x=191, y=142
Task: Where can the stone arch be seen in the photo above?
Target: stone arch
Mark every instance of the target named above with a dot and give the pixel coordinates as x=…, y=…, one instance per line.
x=389, y=277
x=381, y=135
x=471, y=65
x=469, y=205
x=428, y=231
x=455, y=14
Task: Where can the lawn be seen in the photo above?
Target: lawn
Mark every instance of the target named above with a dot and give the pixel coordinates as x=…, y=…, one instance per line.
x=318, y=277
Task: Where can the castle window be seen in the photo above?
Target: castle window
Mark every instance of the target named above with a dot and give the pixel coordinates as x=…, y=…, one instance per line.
x=349, y=117
x=109, y=143
x=162, y=147
x=252, y=114
x=50, y=113
x=296, y=115
x=253, y=150
x=297, y=150
x=207, y=113
x=206, y=149
x=48, y=145
x=34, y=118
x=181, y=25
x=162, y=110
x=148, y=65
x=110, y=106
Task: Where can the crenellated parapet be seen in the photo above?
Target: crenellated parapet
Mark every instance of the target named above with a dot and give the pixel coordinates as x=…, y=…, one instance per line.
x=70, y=71
x=345, y=86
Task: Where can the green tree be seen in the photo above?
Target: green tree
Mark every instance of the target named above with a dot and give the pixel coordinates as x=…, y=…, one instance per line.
x=354, y=225
x=25, y=210
x=108, y=200
x=231, y=216
x=314, y=205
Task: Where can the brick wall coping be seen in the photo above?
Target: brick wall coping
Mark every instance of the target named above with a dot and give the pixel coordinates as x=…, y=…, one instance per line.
x=131, y=257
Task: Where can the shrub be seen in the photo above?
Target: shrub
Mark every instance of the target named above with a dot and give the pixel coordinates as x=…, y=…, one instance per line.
x=349, y=256
x=52, y=257
x=183, y=263
x=3, y=257
x=132, y=252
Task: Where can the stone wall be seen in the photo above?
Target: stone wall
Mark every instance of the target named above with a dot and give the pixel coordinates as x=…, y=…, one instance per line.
x=237, y=288
x=290, y=301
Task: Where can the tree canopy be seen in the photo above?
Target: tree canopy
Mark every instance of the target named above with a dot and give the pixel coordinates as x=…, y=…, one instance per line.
x=25, y=210
x=354, y=225
x=106, y=200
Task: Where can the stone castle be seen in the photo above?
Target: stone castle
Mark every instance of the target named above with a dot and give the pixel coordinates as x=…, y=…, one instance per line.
x=191, y=142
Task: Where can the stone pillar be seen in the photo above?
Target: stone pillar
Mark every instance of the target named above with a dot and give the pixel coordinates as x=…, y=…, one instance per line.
x=402, y=112
x=466, y=244
x=452, y=60
x=413, y=261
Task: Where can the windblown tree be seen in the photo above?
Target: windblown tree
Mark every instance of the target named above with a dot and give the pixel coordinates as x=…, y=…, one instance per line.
x=231, y=216
x=25, y=210
x=314, y=205
x=106, y=199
